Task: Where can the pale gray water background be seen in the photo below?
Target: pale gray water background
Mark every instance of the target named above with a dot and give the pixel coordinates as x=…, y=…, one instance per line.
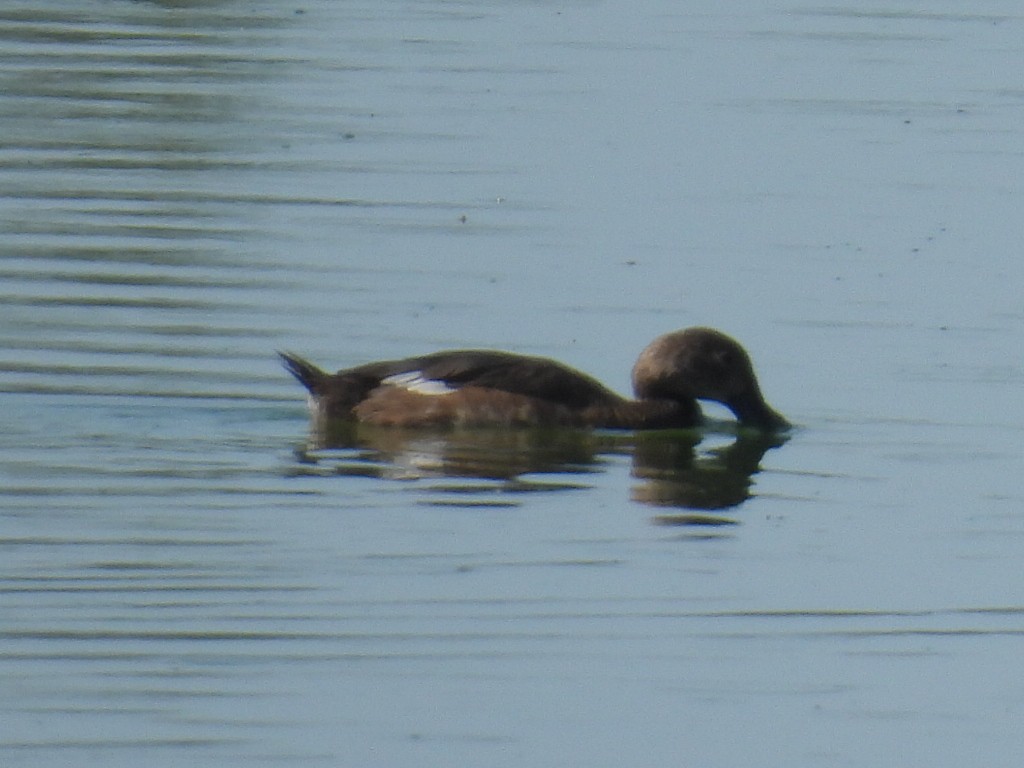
x=187, y=186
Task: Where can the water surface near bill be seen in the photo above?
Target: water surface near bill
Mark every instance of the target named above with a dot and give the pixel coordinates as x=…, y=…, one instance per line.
x=187, y=187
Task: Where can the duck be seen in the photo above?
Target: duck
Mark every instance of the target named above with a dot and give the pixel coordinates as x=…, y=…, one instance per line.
x=490, y=388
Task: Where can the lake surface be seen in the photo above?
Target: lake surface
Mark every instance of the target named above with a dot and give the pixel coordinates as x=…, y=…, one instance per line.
x=187, y=187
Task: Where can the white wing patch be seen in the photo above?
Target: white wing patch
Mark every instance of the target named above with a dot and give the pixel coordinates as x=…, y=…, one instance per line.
x=413, y=381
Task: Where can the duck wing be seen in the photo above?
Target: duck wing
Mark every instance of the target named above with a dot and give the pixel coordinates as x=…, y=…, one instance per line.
x=536, y=377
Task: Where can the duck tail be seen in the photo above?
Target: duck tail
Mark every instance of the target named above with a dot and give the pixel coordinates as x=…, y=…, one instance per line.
x=311, y=377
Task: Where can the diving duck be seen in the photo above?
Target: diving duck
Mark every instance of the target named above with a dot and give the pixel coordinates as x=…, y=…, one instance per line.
x=501, y=389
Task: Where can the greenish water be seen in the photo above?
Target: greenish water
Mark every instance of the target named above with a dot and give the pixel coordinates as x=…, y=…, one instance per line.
x=187, y=187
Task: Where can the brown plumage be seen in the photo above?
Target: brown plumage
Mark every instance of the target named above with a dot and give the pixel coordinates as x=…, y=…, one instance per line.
x=488, y=388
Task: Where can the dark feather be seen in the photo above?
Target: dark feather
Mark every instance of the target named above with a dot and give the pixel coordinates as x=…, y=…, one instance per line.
x=311, y=377
x=503, y=371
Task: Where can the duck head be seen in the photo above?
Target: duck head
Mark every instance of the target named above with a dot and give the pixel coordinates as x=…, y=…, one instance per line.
x=704, y=364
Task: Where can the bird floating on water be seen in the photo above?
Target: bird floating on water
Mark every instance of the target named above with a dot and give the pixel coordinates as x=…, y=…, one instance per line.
x=481, y=388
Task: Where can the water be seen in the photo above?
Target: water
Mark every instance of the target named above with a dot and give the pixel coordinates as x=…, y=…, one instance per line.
x=187, y=187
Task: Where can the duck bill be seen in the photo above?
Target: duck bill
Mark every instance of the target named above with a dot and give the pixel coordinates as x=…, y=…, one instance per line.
x=753, y=411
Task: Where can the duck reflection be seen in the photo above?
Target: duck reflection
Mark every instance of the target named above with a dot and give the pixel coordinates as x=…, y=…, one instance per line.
x=672, y=473
x=504, y=455
x=669, y=469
